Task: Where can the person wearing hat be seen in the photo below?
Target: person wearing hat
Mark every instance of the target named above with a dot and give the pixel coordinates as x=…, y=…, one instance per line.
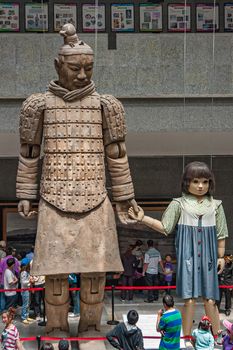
x=202, y=337
x=76, y=230
x=227, y=341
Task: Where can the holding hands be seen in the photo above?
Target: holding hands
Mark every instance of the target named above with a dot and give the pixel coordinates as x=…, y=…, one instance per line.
x=138, y=216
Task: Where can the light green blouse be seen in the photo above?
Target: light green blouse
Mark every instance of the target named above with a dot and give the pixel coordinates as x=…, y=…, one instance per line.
x=172, y=214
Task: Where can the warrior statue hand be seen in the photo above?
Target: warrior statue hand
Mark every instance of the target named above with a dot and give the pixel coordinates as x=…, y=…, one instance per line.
x=122, y=211
x=25, y=210
x=136, y=215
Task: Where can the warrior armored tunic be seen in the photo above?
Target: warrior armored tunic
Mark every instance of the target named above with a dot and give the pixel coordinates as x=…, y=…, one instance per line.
x=198, y=226
x=76, y=225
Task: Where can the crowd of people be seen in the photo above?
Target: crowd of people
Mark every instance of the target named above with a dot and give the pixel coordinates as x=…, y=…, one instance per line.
x=147, y=268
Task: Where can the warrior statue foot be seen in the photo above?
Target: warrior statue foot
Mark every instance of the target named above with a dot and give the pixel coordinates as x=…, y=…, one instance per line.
x=57, y=303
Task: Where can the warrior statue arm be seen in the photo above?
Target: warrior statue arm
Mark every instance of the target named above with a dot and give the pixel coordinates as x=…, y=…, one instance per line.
x=31, y=119
x=117, y=160
x=122, y=186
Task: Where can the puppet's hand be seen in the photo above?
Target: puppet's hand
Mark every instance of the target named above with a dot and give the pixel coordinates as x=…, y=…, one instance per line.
x=138, y=216
x=221, y=264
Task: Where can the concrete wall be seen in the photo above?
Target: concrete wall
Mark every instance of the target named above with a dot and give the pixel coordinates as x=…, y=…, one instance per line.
x=173, y=109
x=165, y=99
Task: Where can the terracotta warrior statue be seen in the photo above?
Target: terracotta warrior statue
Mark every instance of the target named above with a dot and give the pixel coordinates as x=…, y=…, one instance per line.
x=76, y=225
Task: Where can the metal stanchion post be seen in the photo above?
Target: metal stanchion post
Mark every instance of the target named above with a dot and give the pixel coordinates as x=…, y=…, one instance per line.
x=38, y=338
x=113, y=322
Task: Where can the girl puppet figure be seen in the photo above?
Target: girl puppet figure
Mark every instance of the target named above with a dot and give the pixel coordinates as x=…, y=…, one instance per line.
x=10, y=334
x=201, y=229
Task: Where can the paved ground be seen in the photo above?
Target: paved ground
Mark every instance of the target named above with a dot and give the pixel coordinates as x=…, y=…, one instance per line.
x=120, y=308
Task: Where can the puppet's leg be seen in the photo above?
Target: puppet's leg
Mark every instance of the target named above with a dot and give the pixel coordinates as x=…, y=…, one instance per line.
x=57, y=302
x=211, y=311
x=187, y=316
x=91, y=300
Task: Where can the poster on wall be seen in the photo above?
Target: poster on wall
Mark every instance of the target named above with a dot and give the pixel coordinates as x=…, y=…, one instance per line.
x=122, y=17
x=9, y=17
x=179, y=18
x=228, y=17
x=151, y=18
x=207, y=17
x=36, y=17
x=93, y=18
x=64, y=13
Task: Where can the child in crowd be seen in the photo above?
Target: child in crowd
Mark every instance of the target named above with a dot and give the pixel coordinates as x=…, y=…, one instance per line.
x=63, y=345
x=10, y=334
x=200, y=226
x=226, y=278
x=126, y=335
x=227, y=341
x=25, y=283
x=202, y=336
x=168, y=271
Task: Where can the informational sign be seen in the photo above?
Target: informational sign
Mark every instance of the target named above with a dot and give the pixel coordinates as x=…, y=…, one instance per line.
x=207, y=17
x=122, y=17
x=9, y=17
x=64, y=13
x=151, y=18
x=93, y=18
x=36, y=17
x=228, y=17
x=179, y=18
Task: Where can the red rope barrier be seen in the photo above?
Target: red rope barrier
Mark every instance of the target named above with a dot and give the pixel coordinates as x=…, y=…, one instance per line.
x=107, y=288
x=44, y=338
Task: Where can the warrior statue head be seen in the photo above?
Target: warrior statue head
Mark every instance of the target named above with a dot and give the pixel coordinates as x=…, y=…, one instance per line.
x=74, y=64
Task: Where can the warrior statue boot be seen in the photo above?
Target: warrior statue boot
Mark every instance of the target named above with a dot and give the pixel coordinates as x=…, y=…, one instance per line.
x=91, y=300
x=57, y=303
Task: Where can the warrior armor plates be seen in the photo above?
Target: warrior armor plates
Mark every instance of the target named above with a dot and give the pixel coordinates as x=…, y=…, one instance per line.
x=73, y=175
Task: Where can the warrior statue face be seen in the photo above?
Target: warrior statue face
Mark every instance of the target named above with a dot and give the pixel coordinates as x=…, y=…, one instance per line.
x=74, y=71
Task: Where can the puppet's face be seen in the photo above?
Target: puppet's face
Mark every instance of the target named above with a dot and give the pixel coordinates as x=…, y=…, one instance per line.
x=199, y=186
x=74, y=71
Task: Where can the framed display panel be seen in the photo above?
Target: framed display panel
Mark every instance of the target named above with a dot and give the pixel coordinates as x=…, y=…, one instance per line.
x=122, y=17
x=179, y=18
x=151, y=17
x=205, y=21
x=17, y=231
x=64, y=13
x=93, y=18
x=9, y=17
x=228, y=17
x=36, y=17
